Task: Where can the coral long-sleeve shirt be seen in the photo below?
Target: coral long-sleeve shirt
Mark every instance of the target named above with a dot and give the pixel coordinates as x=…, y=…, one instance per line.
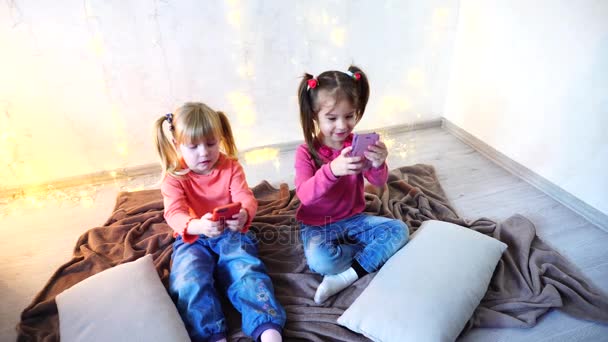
x=324, y=197
x=193, y=195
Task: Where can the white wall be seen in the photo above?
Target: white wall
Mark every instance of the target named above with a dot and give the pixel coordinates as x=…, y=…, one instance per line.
x=531, y=80
x=82, y=81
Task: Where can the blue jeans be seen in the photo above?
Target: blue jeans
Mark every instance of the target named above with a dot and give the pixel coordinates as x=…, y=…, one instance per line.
x=371, y=240
x=231, y=260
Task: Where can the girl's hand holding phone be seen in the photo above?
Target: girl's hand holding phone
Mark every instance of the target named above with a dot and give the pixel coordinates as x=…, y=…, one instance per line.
x=205, y=226
x=238, y=220
x=377, y=154
x=345, y=165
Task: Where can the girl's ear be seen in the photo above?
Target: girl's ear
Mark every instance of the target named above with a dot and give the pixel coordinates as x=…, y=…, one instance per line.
x=176, y=146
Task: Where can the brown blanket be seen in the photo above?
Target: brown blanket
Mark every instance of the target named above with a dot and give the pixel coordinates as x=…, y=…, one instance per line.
x=530, y=278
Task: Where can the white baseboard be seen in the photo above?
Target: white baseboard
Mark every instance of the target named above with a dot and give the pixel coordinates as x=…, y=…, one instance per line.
x=593, y=215
x=396, y=129
x=154, y=168
x=97, y=178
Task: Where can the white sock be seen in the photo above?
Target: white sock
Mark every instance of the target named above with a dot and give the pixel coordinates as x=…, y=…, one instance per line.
x=271, y=335
x=335, y=283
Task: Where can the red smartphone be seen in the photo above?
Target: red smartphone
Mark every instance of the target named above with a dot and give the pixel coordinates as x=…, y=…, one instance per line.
x=226, y=212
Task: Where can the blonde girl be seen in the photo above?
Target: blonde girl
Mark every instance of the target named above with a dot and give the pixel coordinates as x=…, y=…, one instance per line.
x=201, y=172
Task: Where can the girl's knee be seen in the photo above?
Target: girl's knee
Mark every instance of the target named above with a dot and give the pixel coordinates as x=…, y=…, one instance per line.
x=185, y=273
x=399, y=233
x=404, y=231
x=322, y=260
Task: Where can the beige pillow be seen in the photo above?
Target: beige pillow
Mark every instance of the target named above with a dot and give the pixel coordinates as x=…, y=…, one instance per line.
x=429, y=289
x=127, y=302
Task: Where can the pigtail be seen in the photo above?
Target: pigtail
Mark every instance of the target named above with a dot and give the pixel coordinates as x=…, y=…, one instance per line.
x=228, y=139
x=307, y=117
x=362, y=85
x=169, y=159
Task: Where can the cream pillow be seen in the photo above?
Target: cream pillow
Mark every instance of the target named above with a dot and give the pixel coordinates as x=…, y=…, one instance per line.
x=429, y=289
x=127, y=302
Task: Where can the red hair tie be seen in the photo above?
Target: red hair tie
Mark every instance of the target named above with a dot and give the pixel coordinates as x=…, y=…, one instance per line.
x=356, y=75
x=312, y=83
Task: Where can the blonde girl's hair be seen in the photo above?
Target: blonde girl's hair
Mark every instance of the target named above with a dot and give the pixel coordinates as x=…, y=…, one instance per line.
x=341, y=86
x=190, y=124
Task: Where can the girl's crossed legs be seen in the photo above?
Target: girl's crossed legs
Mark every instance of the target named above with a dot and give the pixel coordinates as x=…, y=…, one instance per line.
x=332, y=249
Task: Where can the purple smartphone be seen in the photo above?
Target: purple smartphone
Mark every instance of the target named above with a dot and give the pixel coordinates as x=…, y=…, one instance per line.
x=360, y=144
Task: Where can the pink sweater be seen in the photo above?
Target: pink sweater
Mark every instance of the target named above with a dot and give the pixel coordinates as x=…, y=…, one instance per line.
x=194, y=195
x=326, y=198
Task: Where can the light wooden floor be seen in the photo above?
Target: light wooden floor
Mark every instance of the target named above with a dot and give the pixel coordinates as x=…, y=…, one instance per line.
x=35, y=241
